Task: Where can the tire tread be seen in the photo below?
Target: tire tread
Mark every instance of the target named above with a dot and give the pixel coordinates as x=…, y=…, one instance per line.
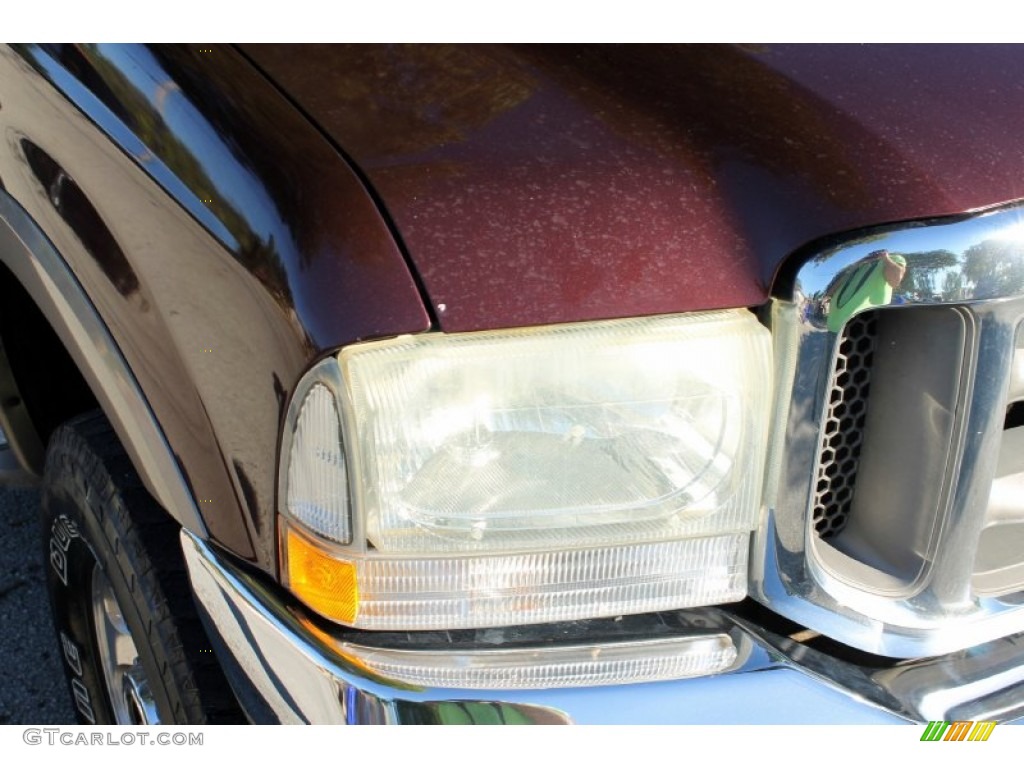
x=145, y=543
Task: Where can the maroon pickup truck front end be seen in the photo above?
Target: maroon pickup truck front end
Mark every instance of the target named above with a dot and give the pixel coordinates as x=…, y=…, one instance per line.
x=520, y=384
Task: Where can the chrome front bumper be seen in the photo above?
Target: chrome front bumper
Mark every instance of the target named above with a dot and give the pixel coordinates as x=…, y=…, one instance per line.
x=284, y=670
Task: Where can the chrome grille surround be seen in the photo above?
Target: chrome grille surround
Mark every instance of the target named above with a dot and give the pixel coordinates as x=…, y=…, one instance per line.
x=932, y=609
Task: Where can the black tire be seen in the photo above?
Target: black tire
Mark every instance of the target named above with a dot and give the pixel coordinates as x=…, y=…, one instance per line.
x=105, y=538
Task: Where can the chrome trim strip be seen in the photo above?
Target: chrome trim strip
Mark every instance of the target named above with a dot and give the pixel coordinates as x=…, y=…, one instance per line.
x=25, y=250
x=283, y=672
x=982, y=683
x=982, y=276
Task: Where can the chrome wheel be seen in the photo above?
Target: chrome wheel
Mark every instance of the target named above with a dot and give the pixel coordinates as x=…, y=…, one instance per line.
x=130, y=696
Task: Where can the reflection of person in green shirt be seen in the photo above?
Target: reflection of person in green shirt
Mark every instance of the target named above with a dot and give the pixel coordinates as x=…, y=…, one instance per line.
x=870, y=284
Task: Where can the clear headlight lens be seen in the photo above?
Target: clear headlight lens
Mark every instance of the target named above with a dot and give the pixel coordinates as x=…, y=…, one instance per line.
x=318, y=485
x=531, y=475
x=555, y=667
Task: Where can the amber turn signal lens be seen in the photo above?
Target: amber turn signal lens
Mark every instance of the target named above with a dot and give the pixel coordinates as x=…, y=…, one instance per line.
x=326, y=585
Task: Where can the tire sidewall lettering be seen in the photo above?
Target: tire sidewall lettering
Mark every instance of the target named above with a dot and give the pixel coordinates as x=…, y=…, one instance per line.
x=62, y=533
x=72, y=559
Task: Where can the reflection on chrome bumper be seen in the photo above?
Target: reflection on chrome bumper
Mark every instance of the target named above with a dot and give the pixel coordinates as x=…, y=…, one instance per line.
x=285, y=669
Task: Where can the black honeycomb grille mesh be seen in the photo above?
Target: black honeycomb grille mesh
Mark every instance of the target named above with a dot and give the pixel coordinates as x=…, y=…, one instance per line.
x=844, y=425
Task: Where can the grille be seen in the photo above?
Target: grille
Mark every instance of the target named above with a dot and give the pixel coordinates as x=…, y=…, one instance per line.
x=844, y=425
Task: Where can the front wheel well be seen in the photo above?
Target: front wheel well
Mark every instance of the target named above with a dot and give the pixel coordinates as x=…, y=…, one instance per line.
x=49, y=385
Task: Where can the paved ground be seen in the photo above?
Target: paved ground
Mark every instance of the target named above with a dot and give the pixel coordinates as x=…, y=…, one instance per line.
x=32, y=688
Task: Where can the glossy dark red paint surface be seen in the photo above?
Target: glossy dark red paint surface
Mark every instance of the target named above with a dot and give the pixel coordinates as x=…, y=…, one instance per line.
x=222, y=239
x=541, y=184
x=227, y=245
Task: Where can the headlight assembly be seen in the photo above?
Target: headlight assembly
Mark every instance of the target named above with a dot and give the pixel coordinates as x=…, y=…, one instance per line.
x=528, y=475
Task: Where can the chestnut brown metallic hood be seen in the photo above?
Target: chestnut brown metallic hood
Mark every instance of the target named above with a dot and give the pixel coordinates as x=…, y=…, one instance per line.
x=536, y=184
